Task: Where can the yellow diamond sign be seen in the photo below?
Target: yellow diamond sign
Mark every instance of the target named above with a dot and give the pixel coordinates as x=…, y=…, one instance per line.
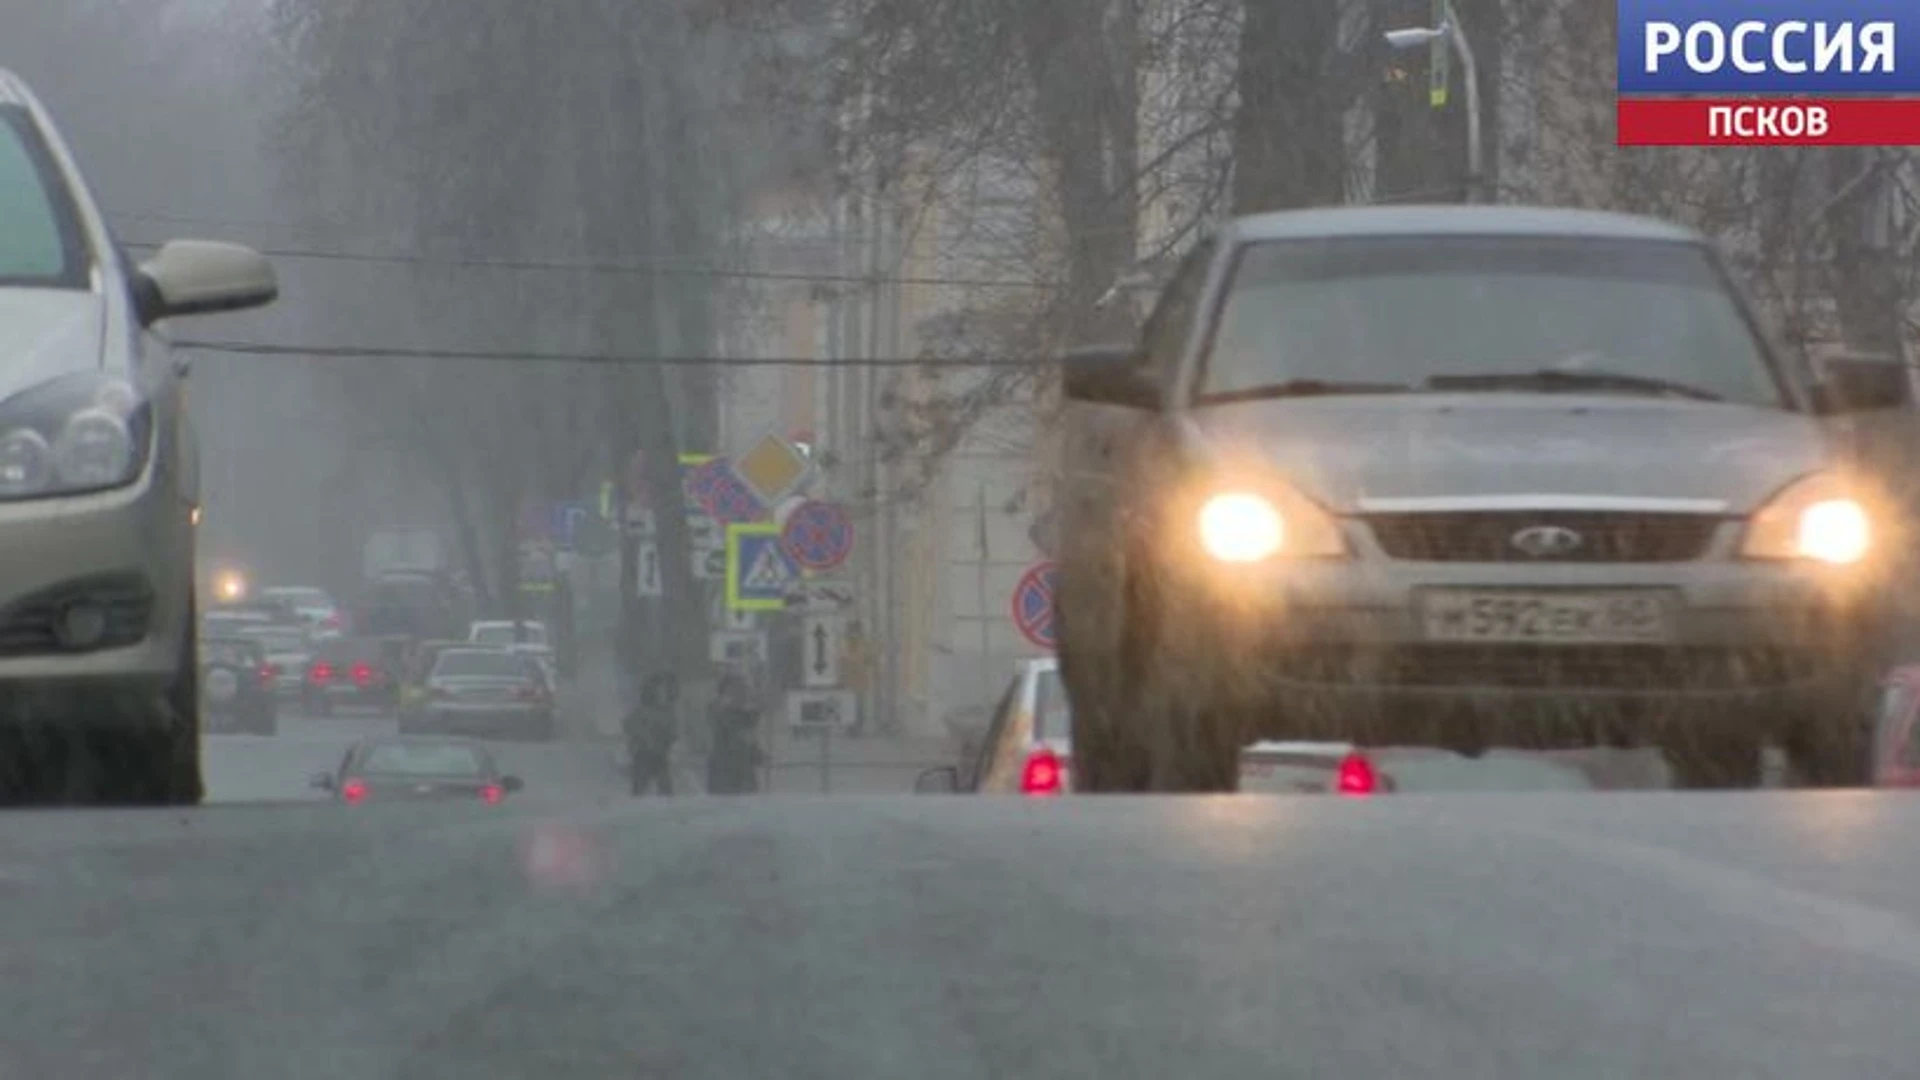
x=773, y=468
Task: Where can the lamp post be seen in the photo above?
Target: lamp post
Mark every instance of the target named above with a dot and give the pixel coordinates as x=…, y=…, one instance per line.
x=1417, y=37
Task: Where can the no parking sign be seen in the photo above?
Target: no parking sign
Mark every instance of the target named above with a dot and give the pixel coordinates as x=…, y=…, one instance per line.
x=1033, y=604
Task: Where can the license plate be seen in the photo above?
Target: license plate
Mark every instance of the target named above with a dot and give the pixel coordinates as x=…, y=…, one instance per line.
x=1508, y=616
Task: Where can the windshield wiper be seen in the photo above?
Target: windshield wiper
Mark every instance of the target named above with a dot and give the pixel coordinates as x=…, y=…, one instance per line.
x=1552, y=380
x=1294, y=388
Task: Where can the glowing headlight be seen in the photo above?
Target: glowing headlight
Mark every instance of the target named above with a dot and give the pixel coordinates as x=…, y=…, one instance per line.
x=1238, y=527
x=1814, y=518
x=231, y=586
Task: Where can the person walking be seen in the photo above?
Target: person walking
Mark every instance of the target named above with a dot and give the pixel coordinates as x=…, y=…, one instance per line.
x=734, y=761
x=651, y=729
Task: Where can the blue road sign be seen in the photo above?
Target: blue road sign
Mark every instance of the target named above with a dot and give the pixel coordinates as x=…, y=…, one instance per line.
x=818, y=535
x=759, y=571
x=564, y=523
x=1033, y=604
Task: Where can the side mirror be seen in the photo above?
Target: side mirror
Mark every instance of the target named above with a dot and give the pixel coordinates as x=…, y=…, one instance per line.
x=942, y=780
x=1853, y=384
x=201, y=277
x=1108, y=375
x=512, y=784
x=321, y=781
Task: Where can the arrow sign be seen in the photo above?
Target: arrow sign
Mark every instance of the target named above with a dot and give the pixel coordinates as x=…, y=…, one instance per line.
x=822, y=636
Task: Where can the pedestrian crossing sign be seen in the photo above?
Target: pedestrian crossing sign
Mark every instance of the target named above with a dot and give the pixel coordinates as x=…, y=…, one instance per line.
x=759, y=571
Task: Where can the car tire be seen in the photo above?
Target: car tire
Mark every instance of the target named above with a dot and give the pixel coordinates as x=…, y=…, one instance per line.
x=1831, y=749
x=1170, y=700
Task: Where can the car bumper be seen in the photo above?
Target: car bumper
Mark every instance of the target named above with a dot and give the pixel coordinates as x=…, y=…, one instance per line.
x=129, y=550
x=1340, y=636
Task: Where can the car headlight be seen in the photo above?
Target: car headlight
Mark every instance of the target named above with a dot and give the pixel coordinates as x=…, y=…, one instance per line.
x=1247, y=526
x=80, y=432
x=1816, y=518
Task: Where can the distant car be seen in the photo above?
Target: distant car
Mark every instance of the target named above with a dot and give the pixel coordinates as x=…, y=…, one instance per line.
x=417, y=769
x=289, y=653
x=413, y=682
x=1028, y=750
x=313, y=606
x=497, y=691
x=352, y=672
x=236, y=686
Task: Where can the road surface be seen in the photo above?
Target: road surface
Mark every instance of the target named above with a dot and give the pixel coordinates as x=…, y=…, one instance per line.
x=1477, y=937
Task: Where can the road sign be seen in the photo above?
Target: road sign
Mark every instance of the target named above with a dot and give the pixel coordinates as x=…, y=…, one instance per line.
x=640, y=521
x=820, y=639
x=759, y=570
x=772, y=469
x=709, y=565
x=646, y=575
x=818, y=535
x=732, y=647
x=729, y=499
x=1033, y=604
x=822, y=709
x=705, y=534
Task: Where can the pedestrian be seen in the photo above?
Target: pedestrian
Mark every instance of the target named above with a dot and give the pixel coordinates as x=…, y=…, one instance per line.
x=651, y=729
x=734, y=761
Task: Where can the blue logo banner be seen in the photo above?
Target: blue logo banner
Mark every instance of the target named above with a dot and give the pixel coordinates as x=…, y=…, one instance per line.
x=1769, y=47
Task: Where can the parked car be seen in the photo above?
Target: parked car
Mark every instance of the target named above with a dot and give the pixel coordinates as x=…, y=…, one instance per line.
x=101, y=477
x=237, y=686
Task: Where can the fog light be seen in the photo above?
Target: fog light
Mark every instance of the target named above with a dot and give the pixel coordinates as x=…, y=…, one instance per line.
x=80, y=625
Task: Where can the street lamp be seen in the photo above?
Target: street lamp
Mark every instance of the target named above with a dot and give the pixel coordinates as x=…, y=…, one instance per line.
x=1418, y=37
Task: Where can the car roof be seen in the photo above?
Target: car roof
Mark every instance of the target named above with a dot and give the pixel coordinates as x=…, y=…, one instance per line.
x=1449, y=220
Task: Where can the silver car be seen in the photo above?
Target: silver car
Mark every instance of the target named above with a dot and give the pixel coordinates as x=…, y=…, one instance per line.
x=99, y=477
x=1464, y=476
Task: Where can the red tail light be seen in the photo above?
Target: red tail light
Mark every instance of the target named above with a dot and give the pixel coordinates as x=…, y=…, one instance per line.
x=1357, y=776
x=268, y=673
x=320, y=673
x=1041, y=774
x=493, y=793
x=362, y=674
x=354, y=790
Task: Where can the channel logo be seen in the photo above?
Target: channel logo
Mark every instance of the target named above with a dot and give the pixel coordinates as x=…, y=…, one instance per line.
x=1769, y=73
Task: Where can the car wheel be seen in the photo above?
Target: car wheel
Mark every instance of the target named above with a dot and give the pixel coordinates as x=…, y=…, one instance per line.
x=1831, y=749
x=1176, y=722
x=177, y=778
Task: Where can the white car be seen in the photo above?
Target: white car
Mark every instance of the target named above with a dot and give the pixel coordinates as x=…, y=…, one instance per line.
x=99, y=473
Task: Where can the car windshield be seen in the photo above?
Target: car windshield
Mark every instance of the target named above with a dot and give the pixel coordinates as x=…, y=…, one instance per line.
x=422, y=759
x=39, y=240
x=480, y=662
x=1484, y=313
x=503, y=634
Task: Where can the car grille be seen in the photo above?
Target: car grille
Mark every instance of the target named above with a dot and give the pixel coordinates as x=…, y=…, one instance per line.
x=1609, y=667
x=1605, y=537
x=27, y=627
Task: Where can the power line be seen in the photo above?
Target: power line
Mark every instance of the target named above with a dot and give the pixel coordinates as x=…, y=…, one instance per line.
x=661, y=266
x=369, y=352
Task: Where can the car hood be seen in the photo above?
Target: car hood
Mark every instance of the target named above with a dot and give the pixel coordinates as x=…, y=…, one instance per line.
x=46, y=333
x=1347, y=452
